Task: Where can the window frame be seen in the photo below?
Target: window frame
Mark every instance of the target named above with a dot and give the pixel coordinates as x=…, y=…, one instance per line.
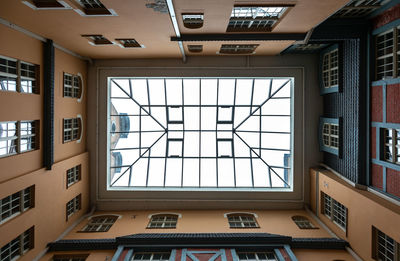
x=19, y=197
x=326, y=88
x=76, y=206
x=325, y=147
x=255, y=18
x=237, y=49
x=303, y=222
x=193, y=20
x=22, y=243
x=376, y=243
x=75, y=91
x=19, y=77
x=241, y=221
x=164, y=221
x=333, y=210
x=394, y=145
x=256, y=256
x=74, y=131
x=76, y=173
x=100, y=226
x=151, y=257
x=394, y=72
x=33, y=137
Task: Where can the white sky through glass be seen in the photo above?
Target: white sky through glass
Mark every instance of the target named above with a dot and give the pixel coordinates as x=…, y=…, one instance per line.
x=200, y=133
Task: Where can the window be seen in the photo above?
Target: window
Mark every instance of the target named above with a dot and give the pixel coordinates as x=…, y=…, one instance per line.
x=163, y=221
x=97, y=39
x=387, y=54
x=255, y=19
x=334, y=211
x=18, y=246
x=72, y=85
x=330, y=70
x=200, y=133
x=386, y=248
x=73, y=175
x=151, y=256
x=330, y=135
x=259, y=256
x=194, y=48
x=72, y=257
x=359, y=8
x=16, y=203
x=94, y=7
x=242, y=221
x=74, y=205
x=303, y=222
x=18, y=76
x=391, y=145
x=238, y=48
x=71, y=129
x=100, y=224
x=129, y=43
x=193, y=21
x=18, y=137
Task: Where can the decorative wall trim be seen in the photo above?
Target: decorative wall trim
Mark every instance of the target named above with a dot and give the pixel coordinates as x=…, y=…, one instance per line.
x=165, y=213
x=248, y=213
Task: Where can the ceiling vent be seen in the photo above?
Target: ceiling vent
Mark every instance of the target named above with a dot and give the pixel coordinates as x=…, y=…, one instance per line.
x=238, y=48
x=97, y=39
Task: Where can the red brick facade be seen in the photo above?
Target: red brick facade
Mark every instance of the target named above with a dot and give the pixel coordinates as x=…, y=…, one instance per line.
x=373, y=143
x=389, y=16
x=393, y=103
x=393, y=182
x=376, y=103
x=377, y=176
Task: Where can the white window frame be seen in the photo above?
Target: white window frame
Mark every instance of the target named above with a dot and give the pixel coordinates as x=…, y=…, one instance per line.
x=101, y=223
x=12, y=149
x=164, y=221
x=20, y=79
x=73, y=206
x=18, y=203
x=242, y=220
x=18, y=246
x=72, y=85
x=330, y=69
x=30, y=135
x=257, y=258
x=74, y=175
x=333, y=210
x=394, y=54
x=151, y=256
x=71, y=129
x=391, y=145
x=384, y=244
x=331, y=135
x=303, y=222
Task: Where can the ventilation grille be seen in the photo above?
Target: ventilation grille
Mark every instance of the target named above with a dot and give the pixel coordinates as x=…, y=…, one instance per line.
x=195, y=48
x=129, y=43
x=94, y=7
x=193, y=21
x=97, y=39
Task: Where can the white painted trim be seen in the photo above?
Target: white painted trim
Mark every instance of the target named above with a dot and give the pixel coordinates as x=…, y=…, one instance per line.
x=83, y=87
x=338, y=174
x=176, y=27
x=80, y=118
x=165, y=213
x=99, y=215
x=236, y=213
x=381, y=195
x=64, y=4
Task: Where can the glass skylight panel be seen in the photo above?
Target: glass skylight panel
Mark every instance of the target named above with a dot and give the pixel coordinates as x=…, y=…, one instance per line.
x=200, y=133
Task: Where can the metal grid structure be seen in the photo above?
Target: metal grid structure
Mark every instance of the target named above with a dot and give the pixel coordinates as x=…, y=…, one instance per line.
x=359, y=8
x=18, y=246
x=73, y=175
x=238, y=48
x=163, y=221
x=330, y=69
x=71, y=129
x=330, y=135
x=242, y=221
x=303, y=222
x=74, y=205
x=15, y=204
x=250, y=18
x=307, y=47
x=201, y=133
x=156, y=256
x=256, y=256
x=391, y=145
x=100, y=224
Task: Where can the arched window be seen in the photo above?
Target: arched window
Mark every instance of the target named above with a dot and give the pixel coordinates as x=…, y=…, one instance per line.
x=242, y=220
x=303, y=222
x=100, y=223
x=163, y=221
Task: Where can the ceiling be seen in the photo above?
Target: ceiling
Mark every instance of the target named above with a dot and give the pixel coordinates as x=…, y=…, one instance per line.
x=153, y=29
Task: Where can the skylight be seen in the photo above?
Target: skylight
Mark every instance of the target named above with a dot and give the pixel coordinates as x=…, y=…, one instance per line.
x=200, y=133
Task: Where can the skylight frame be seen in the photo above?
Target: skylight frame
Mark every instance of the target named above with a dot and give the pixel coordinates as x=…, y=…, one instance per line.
x=286, y=187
